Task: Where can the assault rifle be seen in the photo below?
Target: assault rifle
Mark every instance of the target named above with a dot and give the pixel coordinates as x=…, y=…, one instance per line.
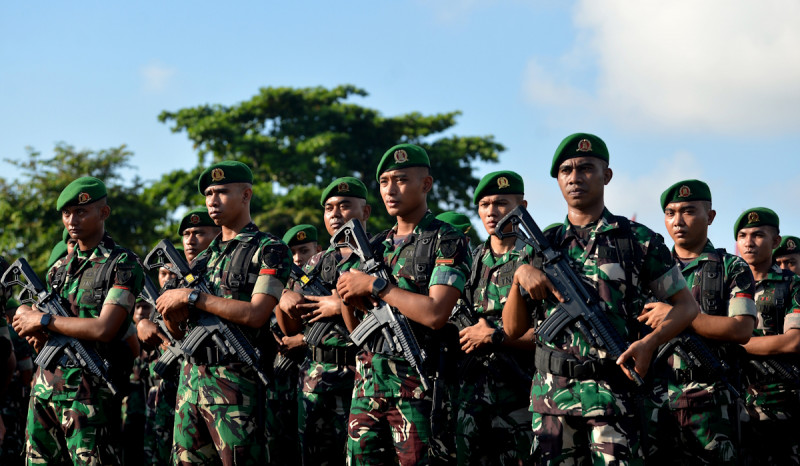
x=776, y=369
x=228, y=337
x=393, y=325
x=580, y=307
x=59, y=348
x=313, y=286
x=692, y=349
x=172, y=350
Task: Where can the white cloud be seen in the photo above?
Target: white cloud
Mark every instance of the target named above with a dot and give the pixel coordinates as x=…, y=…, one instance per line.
x=156, y=76
x=724, y=66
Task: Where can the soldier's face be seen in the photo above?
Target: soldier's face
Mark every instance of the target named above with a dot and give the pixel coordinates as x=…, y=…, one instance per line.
x=196, y=240
x=301, y=253
x=340, y=210
x=582, y=181
x=789, y=262
x=756, y=244
x=226, y=202
x=491, y=209
x=687, y=223
x=84, y=221
x=164, y=275
x=404, y=190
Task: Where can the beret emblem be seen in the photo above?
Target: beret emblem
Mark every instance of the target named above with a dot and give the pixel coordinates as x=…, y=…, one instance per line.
x=790, y=245
x=301, y=235
x=343, y=187
x=400, y=156
x=194, y=219
x=502, y=182
x=84, y=197
x=684, y=191
x=584, y=145
x=217, y=174
x=752, y=217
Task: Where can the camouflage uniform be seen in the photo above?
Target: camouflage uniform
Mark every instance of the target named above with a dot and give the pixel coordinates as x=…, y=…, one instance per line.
x=217, y=407
x=73, y=415
x=327, y=377
x=593, y=418
x=688, y=408
x=388, y=400
x=133, y=412
x=281, y=395
x=493, y=421
x=772, y=406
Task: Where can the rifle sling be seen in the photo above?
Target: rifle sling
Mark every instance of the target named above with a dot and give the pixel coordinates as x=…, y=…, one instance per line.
x=562, y=364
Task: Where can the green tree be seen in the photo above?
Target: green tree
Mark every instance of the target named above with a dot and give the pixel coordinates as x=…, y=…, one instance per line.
x=30, y=224
x=299, y=140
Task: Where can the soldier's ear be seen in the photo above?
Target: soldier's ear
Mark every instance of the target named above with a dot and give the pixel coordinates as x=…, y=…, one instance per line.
x=607, y=175
x=247, y=193
x=712, y=214
x=427, y=184
x=105, y=211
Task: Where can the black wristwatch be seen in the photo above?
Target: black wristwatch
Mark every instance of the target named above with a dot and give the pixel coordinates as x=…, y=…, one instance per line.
x=498, y=336
x=46, y=318
x=193, y=295
x=377, y=286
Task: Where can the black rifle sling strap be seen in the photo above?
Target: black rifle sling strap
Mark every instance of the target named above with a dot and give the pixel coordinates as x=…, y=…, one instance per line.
x=712, y=284
x=238, y=277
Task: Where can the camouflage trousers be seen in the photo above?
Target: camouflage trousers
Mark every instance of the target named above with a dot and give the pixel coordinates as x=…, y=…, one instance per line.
x=80, y=432
x=322, y=426
x=388, y=430
x=217, y=434
x=567, y=440
x=493, y=426
x=159, y=421
x=281, y=417
x=133, y=418
x=706, y=435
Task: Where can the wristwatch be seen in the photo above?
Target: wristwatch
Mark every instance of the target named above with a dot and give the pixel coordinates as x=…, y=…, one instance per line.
x=193, y=295
x=46, y=318
x=498, y=337
x=377, y=286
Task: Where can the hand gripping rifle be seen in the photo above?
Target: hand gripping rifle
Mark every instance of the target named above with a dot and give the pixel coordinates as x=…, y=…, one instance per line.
x=172, y=351
x=580, y=307
x=697, y=354
x=58, y=347
x=228, y=337
x=393, y=325
x=313, y=286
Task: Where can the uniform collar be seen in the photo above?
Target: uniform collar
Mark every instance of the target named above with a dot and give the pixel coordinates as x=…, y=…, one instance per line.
x=245, y=235
x=99, y=253
x=421, y=226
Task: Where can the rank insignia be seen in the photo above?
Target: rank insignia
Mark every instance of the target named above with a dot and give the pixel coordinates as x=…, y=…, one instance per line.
x=502, y=182
x=400, y=156
x=752, y=217
x=790, y=245
x=301, y=235
x=584, y=145
x=343, y=187
x=684, y=191
x=217, y=174
x=83, y=198
x=194, y=219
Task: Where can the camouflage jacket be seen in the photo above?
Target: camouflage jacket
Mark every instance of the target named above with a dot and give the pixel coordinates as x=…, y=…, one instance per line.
x=236, y=383
x=379, y=375
x=72, y=383
x=737, y=292
x=775, y=400
x=600, y=265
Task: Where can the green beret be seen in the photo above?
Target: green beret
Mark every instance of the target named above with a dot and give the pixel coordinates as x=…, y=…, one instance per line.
x=300, y=234
x=227, y=171
x=578, y=145
x=346, y=186
x=684, y=191
x=789, y=245
x=502, y=182
x=59, y=251
x=197, y=217
x=403, y=156
x=460, y=221
x=84, y=190
x=755, y=217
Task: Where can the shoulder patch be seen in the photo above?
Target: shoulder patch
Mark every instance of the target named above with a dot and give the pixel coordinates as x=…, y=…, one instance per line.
x=449, y=245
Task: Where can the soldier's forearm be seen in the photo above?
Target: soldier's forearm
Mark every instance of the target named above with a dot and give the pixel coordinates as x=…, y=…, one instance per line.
x=684, y=311
x=102, y=328
x=787, y=343
x=515, y=315
x=737, y=329
x=254, y=313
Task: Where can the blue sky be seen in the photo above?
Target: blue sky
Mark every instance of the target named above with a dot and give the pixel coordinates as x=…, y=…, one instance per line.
x=680, y=89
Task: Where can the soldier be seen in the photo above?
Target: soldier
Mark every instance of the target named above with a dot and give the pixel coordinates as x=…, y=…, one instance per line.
x=328, y=371
x=304, y=245
x=493, y=420
x=73, y=415
x=772, y=400
x=582, y=400
x=196, y=230
x=219, y=397
x=787, y=254
x=693, y=408
x=429, y=260
x=460, y=221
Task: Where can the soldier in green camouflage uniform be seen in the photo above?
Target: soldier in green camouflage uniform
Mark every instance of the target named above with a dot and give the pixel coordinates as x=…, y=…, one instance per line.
x=494, y=377
x=772, y=402
x=692, y=414
x=218, y=415
x=787, y=254
x=14, y=405
x=328, y=372
x=72, y=415
x=582, y=400
x=390, y=411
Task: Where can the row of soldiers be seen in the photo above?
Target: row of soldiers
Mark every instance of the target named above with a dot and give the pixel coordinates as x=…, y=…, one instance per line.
x=707, y=375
